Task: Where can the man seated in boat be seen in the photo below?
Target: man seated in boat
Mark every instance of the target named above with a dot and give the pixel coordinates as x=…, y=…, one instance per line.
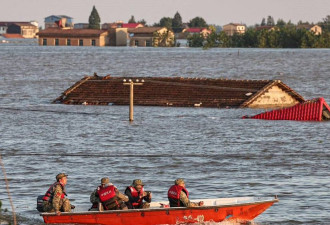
x=109, y=196
x=178, y=195
x=137, y=194
x=54, y=199
x=95, y=200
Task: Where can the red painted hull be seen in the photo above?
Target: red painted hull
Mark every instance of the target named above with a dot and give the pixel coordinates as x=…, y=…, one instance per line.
x=313, y=110
x=241, y=212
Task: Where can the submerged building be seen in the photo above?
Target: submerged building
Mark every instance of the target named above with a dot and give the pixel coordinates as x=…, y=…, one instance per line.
x=181, y=92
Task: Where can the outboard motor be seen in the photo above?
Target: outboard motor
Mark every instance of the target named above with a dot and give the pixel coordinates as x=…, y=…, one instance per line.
x=40, y=203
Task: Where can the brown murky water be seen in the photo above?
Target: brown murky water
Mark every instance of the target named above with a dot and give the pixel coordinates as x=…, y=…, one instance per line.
x=218, y=153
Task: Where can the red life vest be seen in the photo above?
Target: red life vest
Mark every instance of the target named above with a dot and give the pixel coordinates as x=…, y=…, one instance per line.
x=50, y=192
x=136, y=194
x=106, y=193
x=173, y=195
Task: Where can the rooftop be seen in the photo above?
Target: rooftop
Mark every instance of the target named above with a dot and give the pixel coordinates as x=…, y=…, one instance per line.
x=172, y=91
x=57, y=32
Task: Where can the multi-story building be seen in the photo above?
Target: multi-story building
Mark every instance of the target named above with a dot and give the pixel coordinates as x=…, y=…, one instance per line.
x=73, y=37
x=232, y=28
x=58, y=21
x=26, y=29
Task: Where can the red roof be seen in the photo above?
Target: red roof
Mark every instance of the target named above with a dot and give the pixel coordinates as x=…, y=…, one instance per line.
x=131, y=25
x=57, y=32
x=12, y=36
x=194, y=30
x=314, y=110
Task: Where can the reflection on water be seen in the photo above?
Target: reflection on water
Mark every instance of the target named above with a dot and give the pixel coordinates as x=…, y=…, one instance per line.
x=219, y=154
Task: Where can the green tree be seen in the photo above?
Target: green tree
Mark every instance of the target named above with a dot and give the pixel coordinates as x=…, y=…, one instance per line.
x=224, y=40
x=177, y=24
x=237, y=40
x=280, y=23
x=94, y=19
x=166, y=22
x=132, y=20
x=263, y=39
x=197, y=22
x=273, y=39
x=142, y=22
x=324, y=40
x=212, y=40
x=250, y=38
x=325, y=24
x=270, y=21
x=195, y=40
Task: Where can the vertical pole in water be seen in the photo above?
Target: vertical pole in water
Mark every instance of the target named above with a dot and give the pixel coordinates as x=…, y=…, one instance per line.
x=131, y=96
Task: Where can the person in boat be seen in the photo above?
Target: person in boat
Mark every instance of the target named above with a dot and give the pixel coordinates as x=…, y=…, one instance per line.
x=109, y=197
x=94, y=198
x=54, y=199
x=137, y=194
x=178, y=195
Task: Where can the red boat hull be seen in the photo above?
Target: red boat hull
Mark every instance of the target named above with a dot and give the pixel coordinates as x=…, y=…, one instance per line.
x=241, y=212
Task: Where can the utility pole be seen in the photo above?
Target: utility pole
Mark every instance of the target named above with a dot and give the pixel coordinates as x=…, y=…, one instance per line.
x=131, y=95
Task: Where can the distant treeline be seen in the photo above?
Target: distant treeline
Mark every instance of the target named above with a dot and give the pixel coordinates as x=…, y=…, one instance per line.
x=283, y=37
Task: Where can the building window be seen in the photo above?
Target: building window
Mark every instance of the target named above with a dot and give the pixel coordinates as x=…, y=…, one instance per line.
x=136, y=43
x=44, y=41
x=81, y=42
x=93, y=42
x=57, y=42
x=148, y=43
x=68, y=42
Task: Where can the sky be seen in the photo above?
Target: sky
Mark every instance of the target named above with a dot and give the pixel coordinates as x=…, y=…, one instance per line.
x=218, y=12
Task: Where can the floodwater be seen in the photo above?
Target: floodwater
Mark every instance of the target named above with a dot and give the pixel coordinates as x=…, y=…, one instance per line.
x=218, y=153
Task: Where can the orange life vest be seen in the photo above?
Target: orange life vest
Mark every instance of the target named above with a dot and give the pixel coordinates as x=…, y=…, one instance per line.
x=173, y=195
x=106, y=193
x=50, y=192
x=135, y=194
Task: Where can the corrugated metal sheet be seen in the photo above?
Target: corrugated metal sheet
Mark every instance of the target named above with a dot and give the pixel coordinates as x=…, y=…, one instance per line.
x=313, y=110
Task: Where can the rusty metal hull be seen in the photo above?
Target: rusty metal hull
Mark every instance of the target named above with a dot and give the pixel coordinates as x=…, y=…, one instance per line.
x=240, y=212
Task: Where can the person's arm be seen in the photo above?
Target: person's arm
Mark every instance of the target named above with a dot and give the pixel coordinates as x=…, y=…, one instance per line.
x=57, y=198
x=148, y=197
x=94, y=198
x=184, y=199
x=129, y=195
x=122, y=196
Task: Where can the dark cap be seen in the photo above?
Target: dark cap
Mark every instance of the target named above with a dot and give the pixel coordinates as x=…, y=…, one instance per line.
x=105, y=180
x=137, y=182
x=179, y=181
x=60, y=176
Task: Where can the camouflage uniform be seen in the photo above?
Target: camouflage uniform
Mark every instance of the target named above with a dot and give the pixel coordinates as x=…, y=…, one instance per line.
x=57, y=204
x=95, y=200
x=121, y=196
x=183, y=196
x=186, y=202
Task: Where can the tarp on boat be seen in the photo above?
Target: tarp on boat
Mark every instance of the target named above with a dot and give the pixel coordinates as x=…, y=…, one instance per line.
x=312, y=110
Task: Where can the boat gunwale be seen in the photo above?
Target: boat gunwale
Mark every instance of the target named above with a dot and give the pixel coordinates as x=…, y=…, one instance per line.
x=161, y=209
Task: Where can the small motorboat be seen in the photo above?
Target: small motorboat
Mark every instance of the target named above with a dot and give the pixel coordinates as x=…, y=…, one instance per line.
x=242, y=209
